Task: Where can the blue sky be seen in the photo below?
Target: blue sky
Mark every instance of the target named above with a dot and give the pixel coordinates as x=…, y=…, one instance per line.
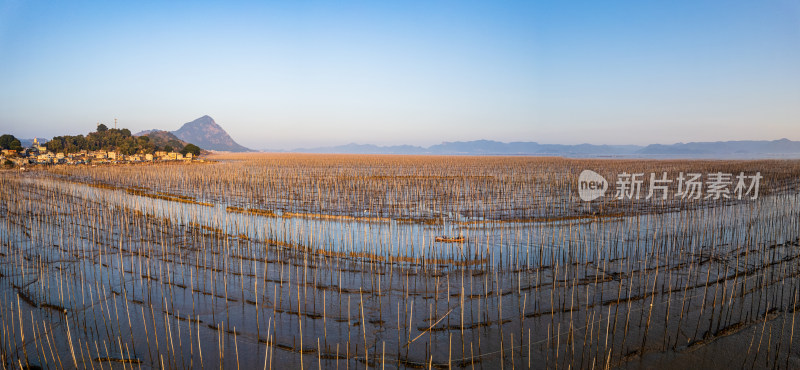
x=304, y=73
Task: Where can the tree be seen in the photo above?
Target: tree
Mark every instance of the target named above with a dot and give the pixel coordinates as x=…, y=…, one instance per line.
x=103, y=139
x=168, y=148
x=10, y=142
x=191, y=148
x=74, y=144
x=129, y=146
x=8, y=163
x=5, y=140
x=55, y=145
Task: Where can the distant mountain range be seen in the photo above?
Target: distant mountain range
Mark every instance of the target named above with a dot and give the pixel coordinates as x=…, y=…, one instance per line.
x=782, y=148
x=27, y=143
x=480, y=147
x=744, y=148
x=206, y=134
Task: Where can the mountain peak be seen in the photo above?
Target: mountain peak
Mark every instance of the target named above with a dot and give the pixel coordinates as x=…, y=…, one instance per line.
x=201, y=122
x=207, y=134
x=205, y=119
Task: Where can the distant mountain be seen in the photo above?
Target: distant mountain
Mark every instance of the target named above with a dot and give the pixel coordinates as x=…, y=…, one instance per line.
x=365, y=149
x=489, y=147
x=25, y=143
x=207, y=134
x=783, y=148
x=481, y=147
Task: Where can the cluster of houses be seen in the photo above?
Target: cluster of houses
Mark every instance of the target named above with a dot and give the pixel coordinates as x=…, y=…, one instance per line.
x=39, y=155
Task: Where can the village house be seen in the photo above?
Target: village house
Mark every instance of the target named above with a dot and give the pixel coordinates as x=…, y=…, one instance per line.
x=38, y=154
x=46, y=158
x=172, y=156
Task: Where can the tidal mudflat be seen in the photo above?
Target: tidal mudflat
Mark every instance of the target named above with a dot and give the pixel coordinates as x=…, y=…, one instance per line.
x=322, y=261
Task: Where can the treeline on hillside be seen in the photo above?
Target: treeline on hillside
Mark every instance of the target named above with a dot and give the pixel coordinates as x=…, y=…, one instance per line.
x=115, y=139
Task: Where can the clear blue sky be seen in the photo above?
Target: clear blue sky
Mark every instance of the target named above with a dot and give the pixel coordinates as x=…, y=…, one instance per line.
x=302, y=73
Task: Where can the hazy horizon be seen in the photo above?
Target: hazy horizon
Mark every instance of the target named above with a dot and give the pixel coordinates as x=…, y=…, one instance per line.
x=310, y=74
x=424, y=145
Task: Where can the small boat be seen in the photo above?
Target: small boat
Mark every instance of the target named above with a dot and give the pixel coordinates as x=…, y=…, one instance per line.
x=447, y=239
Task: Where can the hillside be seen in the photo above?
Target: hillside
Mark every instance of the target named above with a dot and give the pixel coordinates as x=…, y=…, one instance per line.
x=163, y=139
x=119, y=140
